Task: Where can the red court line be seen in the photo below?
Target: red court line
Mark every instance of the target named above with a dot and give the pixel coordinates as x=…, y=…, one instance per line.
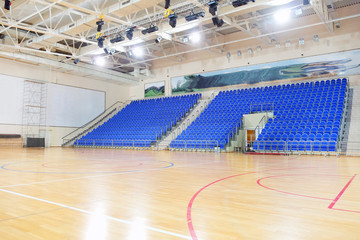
x=295, y=194
x=341, y=193
x=345, y=210
x=189, y=220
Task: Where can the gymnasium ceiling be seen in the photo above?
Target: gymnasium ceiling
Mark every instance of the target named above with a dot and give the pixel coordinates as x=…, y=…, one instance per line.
x=58, y=32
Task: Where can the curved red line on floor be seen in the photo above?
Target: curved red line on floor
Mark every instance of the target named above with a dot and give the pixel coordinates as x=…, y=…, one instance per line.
x=189, y=220
x=189, y=208
x=292, y=175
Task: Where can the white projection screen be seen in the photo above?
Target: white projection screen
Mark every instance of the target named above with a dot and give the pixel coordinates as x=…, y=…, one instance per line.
x=71, y=106
x=66, y=106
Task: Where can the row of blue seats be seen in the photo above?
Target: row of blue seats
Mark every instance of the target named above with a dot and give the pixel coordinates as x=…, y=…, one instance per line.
x=146, y=119
x=113, y=143
x=322, y=101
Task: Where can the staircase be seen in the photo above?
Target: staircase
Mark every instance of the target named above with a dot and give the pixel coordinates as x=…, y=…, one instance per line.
x=236, y=143
x=70, y=138
x=184, y=123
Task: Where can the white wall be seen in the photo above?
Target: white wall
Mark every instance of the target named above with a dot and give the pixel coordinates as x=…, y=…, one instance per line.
x=12, y=68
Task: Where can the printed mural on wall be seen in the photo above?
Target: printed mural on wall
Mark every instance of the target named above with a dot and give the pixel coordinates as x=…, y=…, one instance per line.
x=155, y=89
x=342, y=64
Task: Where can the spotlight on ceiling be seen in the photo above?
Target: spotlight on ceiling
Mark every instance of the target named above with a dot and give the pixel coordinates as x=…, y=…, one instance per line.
x=7, y=4
x=213, y=6
x=99, y=24
x=101, y=42
x=172, y=20
x=109, y=51
x=117, y=39
x=250, y=51
x=195, y=37
x=194, y=16
x=282, y=16
x=258, y=48
x=130, y=33
x=151, y=29
x=76, y=61
x=240, y=3
x=277, y=45
x=158, y=39
x=217, y=22
x=239, y=53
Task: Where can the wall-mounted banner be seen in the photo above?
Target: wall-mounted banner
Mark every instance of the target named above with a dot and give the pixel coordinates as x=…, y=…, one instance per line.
x=155, y=89
x=328, y=65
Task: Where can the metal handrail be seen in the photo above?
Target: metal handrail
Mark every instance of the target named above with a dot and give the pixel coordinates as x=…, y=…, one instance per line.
x=288, y=147
x=88, y=123
x=194, y=144
x=233, y=132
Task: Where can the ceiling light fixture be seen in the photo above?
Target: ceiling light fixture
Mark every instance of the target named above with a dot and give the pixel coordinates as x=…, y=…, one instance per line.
x=217, y=22
x=101, y=42
x=138, y=52
x=282, y=16
x=279, y=2
x=195, y=37
x=151, y=29
x=99, y=24
x=100, y=61
x=287, y=44
x=117, y=39
x=7, y=4
x=172, y=20
x=301, y=41
x=158, y=39
x=298, y=11
x=130, y=32
x=194, y=16
x=240, y=3
x=213, y=7
x=316, y=38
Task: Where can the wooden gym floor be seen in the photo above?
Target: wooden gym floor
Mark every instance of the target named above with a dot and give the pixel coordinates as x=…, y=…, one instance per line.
x=96, y=194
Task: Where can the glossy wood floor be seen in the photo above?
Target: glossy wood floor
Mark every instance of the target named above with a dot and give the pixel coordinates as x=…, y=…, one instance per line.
x=101, y=194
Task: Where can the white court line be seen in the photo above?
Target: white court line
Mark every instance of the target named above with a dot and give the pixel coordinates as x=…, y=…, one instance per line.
x=102, y=215
x=101, y=175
